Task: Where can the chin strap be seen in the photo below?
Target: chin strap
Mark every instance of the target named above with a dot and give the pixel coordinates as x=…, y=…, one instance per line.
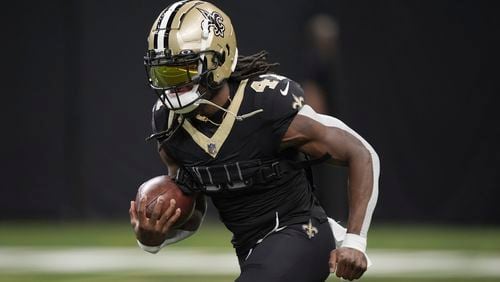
x=237, y=117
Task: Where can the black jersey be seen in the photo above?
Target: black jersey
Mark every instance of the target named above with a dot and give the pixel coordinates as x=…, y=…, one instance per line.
x=269, y=103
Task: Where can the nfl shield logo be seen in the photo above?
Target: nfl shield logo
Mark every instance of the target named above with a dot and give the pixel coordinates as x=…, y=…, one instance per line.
x=211, y=149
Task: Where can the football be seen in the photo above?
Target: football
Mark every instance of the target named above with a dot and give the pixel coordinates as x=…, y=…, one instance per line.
x=164, y=185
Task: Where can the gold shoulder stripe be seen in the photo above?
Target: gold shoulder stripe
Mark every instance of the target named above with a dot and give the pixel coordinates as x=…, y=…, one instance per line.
x=212, y=145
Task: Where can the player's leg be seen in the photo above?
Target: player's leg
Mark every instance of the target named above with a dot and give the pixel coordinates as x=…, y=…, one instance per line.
x=290, y=255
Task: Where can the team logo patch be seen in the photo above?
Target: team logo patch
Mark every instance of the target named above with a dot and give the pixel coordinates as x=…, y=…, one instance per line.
x=212, y=150
x=298, y=102
x=310, y=230
x=212, y=20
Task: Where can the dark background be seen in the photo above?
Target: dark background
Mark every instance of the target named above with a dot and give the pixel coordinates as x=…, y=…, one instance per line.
x=417, y=79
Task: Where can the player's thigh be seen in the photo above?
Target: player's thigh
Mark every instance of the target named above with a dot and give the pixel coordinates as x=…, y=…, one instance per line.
x=290, y=255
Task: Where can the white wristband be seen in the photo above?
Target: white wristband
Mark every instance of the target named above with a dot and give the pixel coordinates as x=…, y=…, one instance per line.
x=355, y=241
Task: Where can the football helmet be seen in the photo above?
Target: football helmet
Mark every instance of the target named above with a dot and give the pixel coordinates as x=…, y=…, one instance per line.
x=191, y=52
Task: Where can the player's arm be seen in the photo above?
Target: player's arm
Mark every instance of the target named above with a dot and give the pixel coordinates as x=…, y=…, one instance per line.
x=155, y=233
x=316, y=135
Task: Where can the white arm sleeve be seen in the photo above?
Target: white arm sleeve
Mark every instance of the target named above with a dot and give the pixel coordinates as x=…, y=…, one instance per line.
x=333, y=122
x=177, y=235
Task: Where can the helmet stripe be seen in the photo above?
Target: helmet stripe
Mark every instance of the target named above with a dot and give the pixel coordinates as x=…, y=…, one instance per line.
x=165, y=24
x=158, y=22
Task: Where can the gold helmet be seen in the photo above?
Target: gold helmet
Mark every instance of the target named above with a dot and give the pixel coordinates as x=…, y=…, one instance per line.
x=191, y=43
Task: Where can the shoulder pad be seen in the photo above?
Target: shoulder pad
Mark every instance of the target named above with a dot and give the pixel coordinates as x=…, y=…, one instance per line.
x=278, y=95
x=160, y=114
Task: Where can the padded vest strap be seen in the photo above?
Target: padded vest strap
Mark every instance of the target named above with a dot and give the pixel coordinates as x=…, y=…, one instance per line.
x=238, y=175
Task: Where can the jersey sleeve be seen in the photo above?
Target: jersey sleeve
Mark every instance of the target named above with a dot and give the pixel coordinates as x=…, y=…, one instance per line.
x=281, y=99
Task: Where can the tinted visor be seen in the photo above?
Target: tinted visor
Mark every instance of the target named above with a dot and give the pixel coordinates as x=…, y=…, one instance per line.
x=170, y=76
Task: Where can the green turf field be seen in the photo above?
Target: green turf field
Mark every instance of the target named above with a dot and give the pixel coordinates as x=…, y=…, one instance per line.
x=103, y=234
x=214, y=238
x=119, y=234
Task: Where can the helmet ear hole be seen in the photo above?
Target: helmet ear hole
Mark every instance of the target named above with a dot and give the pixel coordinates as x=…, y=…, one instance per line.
x=222, y=58
x=218, y=59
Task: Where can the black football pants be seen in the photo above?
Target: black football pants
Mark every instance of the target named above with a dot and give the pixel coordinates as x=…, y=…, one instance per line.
x=289, y=255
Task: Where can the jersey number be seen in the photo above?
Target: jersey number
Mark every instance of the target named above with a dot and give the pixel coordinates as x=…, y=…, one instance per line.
x=260, y=86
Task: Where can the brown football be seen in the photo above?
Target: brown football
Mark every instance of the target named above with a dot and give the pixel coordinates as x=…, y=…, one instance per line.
x=164, y=185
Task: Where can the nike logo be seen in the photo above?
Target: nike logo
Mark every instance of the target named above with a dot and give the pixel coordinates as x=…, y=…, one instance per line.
x=284, y=92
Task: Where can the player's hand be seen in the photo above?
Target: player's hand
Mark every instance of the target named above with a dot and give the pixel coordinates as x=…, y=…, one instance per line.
x=153, y=231
x=348, y=263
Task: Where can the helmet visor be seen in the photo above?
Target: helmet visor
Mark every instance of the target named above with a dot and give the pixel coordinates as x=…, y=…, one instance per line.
x=170, y=76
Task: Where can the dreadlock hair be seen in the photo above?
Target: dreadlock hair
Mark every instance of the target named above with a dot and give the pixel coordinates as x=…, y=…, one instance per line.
x=252, y=65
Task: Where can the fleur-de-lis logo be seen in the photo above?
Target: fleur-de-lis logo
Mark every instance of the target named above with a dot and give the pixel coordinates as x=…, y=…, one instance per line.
x=212, y=20
x=298, y=102
x=310, y=230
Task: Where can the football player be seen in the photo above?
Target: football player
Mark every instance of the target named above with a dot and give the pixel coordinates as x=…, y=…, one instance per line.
x=229, y=129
